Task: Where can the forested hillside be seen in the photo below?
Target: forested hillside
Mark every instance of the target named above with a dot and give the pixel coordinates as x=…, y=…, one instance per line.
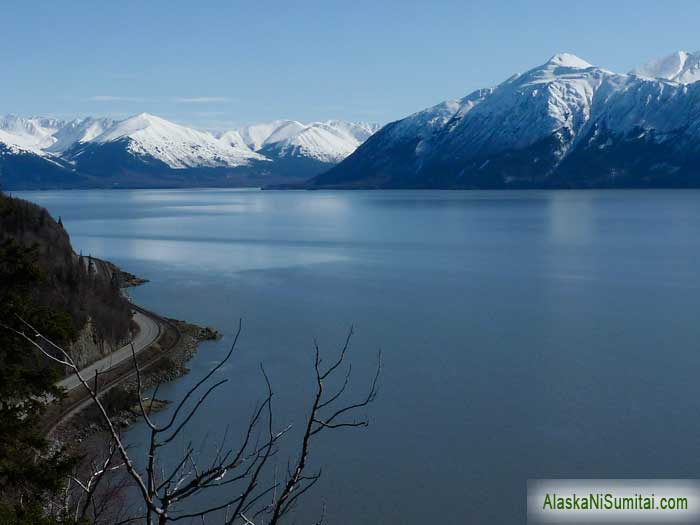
x=73, y=288
x=67, y=298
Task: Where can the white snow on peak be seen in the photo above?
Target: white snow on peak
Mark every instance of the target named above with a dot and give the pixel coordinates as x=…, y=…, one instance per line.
x=681, y=67
x=28, y=133
x=182, y=147
x=177, y=146
x=555, y=98
x=561, y=66
x=555, y=105
x=13, y=145
x=233, y=139
x=360, y=130
x=143, y=123
x=43, y=136
x=319, y=141
x=78, y=131
x=257, y=135
x=329, y=141
x=568, y=60
x=285, y=131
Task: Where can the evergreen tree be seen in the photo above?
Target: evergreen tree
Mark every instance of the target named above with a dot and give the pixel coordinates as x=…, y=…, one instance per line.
x=29, y=472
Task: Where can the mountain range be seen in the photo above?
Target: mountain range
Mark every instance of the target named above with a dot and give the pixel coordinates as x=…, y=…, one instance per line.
x=148, y=151
x=564, y=124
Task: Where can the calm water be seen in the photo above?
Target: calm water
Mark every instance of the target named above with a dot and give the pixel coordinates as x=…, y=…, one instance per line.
x=524, y=334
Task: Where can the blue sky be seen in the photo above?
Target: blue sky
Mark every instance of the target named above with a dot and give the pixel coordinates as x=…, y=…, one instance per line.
x=222, y=63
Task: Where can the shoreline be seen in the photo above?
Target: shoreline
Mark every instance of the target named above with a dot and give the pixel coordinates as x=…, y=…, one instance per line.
x=164, y=360
x=157, y=365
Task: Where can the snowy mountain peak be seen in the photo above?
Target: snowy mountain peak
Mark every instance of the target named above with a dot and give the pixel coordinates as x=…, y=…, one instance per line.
x=329, y=142
x=29, y=133
x=78, y=131
x=256, y=136
x=138, y=124
x=154, y=138
x=681, y=67
x=233, y=138
x=568, y=60
x=177, y=146
x=565, y=123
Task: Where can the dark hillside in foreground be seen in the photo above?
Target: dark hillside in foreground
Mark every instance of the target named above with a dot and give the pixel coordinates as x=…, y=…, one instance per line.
x=80, y=295
x=75, y=302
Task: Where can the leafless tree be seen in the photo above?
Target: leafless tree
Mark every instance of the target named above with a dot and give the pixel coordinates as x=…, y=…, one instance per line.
x=82, y=501
x=253, y=499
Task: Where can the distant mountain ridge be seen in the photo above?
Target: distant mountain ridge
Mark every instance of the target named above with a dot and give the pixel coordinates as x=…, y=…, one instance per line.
x=306, y=148
x=176, y=146
x=564, y=124
x=330, y=141
x=145, y=150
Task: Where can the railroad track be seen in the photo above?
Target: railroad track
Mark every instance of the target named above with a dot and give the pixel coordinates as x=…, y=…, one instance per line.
x=69, y=410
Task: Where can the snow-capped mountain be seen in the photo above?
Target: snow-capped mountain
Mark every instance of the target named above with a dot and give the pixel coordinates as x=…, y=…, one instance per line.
x=681, y=66
x=565, y=123
x=29, y=133
x=303, y=150
x=149, y=137
x=256, y=136
x=25, y=169
x=48, y=135
x=78, y=131
x=233, y=139
x=361, y=131
x=146, y=149
x=318, y=141
x=23, y=161
x=326, y=142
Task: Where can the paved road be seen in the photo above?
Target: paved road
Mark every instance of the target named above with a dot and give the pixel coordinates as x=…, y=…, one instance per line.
x=148, y=333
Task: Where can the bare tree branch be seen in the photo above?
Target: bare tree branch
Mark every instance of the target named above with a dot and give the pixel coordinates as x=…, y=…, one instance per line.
x=242, y=468
x=105, y=417
x=297, y=484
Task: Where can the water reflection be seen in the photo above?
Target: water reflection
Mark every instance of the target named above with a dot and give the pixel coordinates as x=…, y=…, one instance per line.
x=570, y=217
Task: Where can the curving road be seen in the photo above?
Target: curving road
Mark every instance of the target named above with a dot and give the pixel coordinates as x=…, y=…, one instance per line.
x=149, y=331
